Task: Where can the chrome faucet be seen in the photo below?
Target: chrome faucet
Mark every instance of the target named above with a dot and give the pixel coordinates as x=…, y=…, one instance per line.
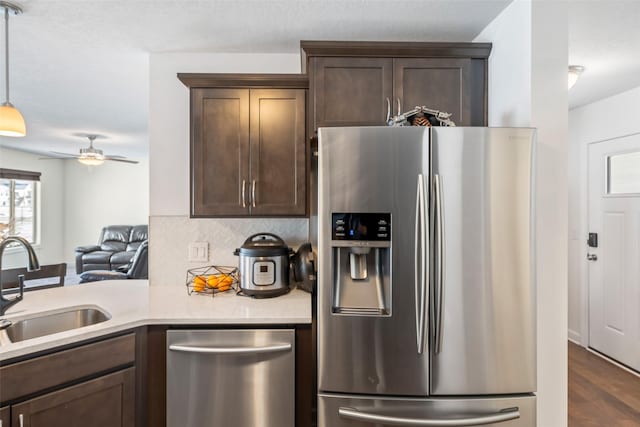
x=32, y=265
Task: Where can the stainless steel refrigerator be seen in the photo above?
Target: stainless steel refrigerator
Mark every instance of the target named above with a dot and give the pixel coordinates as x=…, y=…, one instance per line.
x=426, y=288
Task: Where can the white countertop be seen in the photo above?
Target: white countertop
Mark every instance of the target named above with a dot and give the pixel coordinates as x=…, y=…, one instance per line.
x=133, y=303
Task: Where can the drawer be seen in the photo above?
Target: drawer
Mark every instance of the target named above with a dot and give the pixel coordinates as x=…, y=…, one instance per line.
x=40, y=373
x=340, y=410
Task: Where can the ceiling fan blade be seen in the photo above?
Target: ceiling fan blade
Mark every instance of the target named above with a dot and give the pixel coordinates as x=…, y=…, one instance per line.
x=61, y=156
x=120, y=159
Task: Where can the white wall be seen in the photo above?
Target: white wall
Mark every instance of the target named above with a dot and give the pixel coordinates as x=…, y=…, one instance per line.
x=510, y=66
x=549, y=113
x=171, y=228
x=609, y=118
x=528, y=88
x=110, y=194
x=51, y=196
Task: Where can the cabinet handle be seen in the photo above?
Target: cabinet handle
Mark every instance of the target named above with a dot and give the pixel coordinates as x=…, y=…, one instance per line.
x=21, y=419
x=399, y=107
x=253, y=193
x=244, y=193
x=388, y=110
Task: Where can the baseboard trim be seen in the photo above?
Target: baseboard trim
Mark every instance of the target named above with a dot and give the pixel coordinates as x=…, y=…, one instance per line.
x=575, y=337
x=613, y=361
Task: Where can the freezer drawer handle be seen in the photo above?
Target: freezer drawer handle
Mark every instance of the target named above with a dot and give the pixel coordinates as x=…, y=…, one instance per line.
x=499, y=417
x=230, y=350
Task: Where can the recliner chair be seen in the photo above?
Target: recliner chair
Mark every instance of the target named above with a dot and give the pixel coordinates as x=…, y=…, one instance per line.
x=116, y=246
x=138, y=268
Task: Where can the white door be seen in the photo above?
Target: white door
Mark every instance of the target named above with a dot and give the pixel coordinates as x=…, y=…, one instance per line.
x=614, y=265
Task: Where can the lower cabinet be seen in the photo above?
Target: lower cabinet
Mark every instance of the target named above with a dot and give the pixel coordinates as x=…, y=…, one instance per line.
x=5, y=416
x=247, y=377
x=91, y=384
x=107, y=401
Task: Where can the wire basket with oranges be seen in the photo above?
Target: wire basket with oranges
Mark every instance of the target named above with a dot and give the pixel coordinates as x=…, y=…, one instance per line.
x=212, y=279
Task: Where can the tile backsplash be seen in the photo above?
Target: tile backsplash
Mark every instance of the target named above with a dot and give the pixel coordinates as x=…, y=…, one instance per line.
x=170, y=236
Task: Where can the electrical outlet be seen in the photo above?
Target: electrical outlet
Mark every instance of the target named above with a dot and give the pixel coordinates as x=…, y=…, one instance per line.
x=198, y=252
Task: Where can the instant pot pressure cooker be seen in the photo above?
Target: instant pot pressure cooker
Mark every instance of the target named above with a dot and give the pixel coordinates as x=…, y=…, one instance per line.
x=264, y=265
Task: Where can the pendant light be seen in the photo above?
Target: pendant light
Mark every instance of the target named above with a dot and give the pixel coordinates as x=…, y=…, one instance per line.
x=11, y=121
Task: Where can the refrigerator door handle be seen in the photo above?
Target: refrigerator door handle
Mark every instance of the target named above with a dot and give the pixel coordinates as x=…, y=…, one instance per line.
x=439, y=263
x=421, y=265
x=391, y=420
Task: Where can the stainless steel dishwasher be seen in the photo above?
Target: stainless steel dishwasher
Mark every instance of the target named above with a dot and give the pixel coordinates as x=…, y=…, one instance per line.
x=231, y=378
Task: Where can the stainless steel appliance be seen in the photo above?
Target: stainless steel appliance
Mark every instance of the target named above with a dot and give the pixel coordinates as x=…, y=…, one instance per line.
x=303, y=268
x=426, y=295
x=264, y=265
x=239, y=378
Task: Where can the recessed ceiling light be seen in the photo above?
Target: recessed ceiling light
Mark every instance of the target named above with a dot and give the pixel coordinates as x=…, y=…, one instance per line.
x=574, y=74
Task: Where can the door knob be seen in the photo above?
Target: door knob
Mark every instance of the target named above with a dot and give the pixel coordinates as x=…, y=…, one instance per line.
x=592, y=257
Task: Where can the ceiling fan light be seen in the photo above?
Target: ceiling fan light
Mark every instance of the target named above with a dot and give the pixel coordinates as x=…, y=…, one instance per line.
x=91, y=160
x=11, y=121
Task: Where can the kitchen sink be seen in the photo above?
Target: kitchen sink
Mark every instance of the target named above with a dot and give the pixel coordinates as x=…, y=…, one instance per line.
x=48, y=324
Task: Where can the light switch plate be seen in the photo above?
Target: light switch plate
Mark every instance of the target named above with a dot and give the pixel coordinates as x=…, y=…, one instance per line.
x=198, y=252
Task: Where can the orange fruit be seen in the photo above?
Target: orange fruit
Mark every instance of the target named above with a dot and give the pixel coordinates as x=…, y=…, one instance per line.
x=199, y=283
x=225, y=281
x=213, y=280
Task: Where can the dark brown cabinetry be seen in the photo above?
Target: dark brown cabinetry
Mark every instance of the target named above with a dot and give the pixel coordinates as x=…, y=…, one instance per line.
x=355, y=83
x=248, y=150
x=5, y=416
x=106, y=401
x=351, y=91
x=92, y=384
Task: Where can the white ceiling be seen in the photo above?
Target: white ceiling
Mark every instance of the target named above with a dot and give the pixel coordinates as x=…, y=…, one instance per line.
x=82, y=66
x=604, y=36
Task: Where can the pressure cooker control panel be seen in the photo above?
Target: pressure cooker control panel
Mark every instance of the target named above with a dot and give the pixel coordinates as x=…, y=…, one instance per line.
x=264, y=273
x=361, y=226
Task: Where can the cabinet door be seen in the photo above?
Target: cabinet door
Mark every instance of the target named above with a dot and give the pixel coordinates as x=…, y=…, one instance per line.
x=108, y=401
x=219, y=152
x=5, y=416
x=277, y=123
x=351, y=91
x=438, y=83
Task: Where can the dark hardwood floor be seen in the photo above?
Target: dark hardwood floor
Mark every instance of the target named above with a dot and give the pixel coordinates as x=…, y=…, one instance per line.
x=600, y=393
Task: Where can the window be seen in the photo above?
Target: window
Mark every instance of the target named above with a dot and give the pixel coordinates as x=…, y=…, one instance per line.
x=623, y=173
x=18, y=210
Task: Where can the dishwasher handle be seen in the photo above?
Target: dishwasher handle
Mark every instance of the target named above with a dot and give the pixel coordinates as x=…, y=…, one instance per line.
x=231, y=350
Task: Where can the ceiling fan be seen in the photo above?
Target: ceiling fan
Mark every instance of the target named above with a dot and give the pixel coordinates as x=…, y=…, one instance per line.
x=90, y=156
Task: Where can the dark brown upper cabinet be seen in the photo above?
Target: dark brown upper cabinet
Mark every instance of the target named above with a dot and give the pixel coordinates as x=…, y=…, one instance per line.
x=351, y=91
x=356, y=83
x=248, y=148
